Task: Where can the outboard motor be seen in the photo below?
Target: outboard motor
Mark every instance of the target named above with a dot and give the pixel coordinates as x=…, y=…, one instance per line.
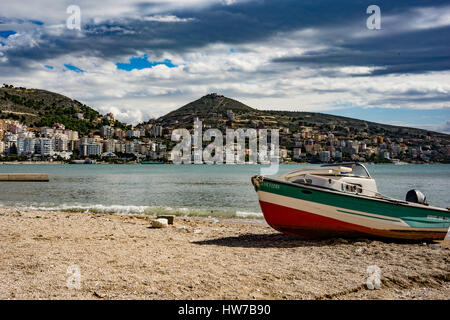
x=416, y=196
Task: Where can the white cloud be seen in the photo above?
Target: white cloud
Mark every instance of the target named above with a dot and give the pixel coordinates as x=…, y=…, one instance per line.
x=167, y=18
x=427, y=18
x=444, y=127
x=359, y=70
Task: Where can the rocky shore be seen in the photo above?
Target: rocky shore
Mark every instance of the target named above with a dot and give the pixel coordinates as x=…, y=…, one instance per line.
x=65, y=255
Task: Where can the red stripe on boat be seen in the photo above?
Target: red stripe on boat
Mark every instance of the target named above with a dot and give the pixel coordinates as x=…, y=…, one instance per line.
x=309, y=225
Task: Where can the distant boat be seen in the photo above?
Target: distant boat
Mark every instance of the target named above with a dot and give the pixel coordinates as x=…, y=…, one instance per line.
x=87, y=161
x=341, y=200
x=398, y=162
x=151, y=162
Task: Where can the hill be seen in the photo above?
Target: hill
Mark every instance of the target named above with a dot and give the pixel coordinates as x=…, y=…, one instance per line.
x=212, y=110
x=41, y=108
x=210, y=107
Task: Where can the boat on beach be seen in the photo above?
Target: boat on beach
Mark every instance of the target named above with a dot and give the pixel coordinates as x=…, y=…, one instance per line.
x=342, y=200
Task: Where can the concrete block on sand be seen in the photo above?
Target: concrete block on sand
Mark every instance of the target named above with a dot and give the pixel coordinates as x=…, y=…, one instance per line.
x=160, y=223
x=170, y=218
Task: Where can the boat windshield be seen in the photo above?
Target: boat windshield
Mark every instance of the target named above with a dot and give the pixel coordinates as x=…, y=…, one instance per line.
x=358, y=169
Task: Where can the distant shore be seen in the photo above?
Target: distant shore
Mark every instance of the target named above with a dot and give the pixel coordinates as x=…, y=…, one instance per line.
x=120, y=257
x=134, y=162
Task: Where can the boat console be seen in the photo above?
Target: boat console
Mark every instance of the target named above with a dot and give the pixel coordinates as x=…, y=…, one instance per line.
x=344, y=177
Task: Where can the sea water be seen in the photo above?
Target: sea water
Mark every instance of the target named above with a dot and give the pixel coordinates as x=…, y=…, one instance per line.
x=191, y=190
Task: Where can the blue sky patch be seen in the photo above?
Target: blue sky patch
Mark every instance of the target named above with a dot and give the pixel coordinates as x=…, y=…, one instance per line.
x=49, y=67
x=5, y=34
x=37, y=22
x=73, y=68
x=142, y=63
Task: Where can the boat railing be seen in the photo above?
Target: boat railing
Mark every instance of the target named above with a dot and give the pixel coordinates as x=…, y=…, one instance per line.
x=337, y=171
x=347, y=187
x=351, y=165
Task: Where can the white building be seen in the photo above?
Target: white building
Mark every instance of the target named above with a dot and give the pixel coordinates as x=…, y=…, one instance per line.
x=90, y=149
x=119, y=147
x=61, y=143
x=109, y=146
x=133, y=134
x=71, y=135
x=324, y=156
x=157, y=150
x=107, y=132
x=25, y=146
x=20, y=146
x=297, y=153
x=46, y=147
x=131, y=147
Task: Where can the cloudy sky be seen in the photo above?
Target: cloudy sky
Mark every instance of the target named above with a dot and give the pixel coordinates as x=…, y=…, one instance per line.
x=142, y=59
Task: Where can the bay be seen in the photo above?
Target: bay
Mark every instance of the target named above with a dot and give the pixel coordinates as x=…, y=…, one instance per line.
x=192, y=190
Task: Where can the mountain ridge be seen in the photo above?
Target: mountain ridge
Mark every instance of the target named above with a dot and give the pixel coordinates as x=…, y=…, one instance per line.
x=246, y=116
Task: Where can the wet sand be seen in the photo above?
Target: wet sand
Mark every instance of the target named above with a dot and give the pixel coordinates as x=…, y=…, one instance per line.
x=120, y=257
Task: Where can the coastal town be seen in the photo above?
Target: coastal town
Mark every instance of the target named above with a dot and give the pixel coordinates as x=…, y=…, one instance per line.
x=18, y=142
x=151, y=141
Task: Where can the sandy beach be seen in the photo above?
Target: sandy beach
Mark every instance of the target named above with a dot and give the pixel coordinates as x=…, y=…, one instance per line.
x=121, y=257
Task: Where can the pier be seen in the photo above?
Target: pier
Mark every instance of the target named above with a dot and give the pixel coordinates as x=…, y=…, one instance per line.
x=36, y=177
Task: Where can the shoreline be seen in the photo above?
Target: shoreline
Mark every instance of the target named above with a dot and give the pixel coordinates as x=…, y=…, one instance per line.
x=120, y=257
x=168, y=163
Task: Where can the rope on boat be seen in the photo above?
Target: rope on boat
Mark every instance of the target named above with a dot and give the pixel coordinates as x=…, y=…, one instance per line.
x=256, y=181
